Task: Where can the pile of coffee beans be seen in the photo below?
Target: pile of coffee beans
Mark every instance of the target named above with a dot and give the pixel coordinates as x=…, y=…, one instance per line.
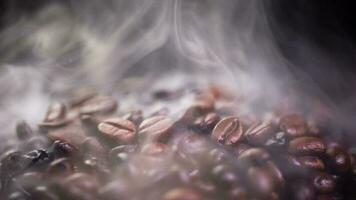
x=89, y=148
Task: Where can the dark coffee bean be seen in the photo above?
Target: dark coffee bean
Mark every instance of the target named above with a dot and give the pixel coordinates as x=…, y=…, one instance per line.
x=302, y=191
x=61, y=166
x=259, y=133
x=225, y=176
x=194, y=145
x=182, y=194
x=99, y=105
x=135, y=116
x=324, y=183
x=207, y=122
x=23, y=130
x=309, y=162
x=261, y=181
x=63, y=149
x=339, y=160
x=56, y=112
x=38, y=158
x=307, y=145
x=254, y=156
x=123, y=131
x=228, y=131
x=156, y=128
x=293, y=124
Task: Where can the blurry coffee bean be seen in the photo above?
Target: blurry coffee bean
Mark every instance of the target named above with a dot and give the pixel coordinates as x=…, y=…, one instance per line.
x=228, y=131
x=154, y=149
x=207, y=122
x=23, y=130
x=259, y=133
x=293, y=124
x=182, y=194
x=156, y=128
x=121, y=130
x=194, y=145
x=261, y=181
x=91, y=145
x=80, y=186
x=324, y=183
x=339, y=160
x=225, y=176
x=276, y=173
x=254, y=156
x=307, y=145
x=99, y=105
x=240, y=148
x=61, y=166
x=237, y=193
x=302, y=191
x=122, y=152
x=190, y=115
x=135, y=116
x=56, y=112
x=310, y=162
x=43, y=193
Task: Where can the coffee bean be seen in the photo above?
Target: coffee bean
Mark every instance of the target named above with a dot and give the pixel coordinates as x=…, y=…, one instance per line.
x=123, y=131
x=309, y=162
x=240, y=148
x=182, y=194
x=324, y=183
x=302, y=191
x=56, y=112
x=254, y=156
x=63, y=149
x=60, y=167
x=276, y=173
x=156, y=128
x=99, y=105
x=259, y=133
x=307, y=145
x=207, y=122
x=228, y=131
x=225, y=175
x=339, y=160
x=237, y=193
x=23, y=130
x=293, y=124
x=91, y=145
x=261, y=181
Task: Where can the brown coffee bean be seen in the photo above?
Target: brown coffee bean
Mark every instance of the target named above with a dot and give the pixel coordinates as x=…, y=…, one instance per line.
x=307, y=145
x=276, y=173
x=225, y=175
x=293, y=124
x=240, y=148
x=23, y=130
x=56, y=112
x=259, y=133
x=339, y=160
x=228, y=131
x=92, y=146
x=155, y=128
x=261, y=181
x=182, y=194
x=254, y=156
x=123, y=131
x=309, y=162
x=191, y=114
x=324, y=183
x=99, y=105
x=207, y=122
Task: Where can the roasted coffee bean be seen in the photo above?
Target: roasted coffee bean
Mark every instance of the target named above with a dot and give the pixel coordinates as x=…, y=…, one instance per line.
x=99, y=105
x=240, y=148
x=61, y=166
x=324, y=183
x=276, y=173
x=254, y=156
x=225, y=176
x=309, y=162
x=194, y=145
x=207, y=122
x=228, y=131
x=293, y=124
x=23, y=130
x=56, y=112
x=63, y=149
x=92, y=146
x=156, y=128
x=123, y=131
x=261, y=181
x=339, y=160
x=307, y=145
x=259, y=133
x=182, y=194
